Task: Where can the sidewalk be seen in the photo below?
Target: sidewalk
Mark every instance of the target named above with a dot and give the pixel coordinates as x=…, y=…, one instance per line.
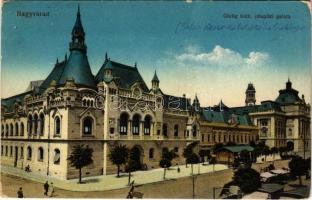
x=110, y=182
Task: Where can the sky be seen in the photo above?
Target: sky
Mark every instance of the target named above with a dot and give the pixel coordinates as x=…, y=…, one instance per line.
x=211, y=49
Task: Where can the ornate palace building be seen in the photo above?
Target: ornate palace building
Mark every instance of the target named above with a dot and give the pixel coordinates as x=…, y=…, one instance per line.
x=72, y=106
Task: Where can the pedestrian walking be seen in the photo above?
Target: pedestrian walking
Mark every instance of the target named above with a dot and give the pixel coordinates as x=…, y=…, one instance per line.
x=52, y=190
x=20, y=193
x=46, y=188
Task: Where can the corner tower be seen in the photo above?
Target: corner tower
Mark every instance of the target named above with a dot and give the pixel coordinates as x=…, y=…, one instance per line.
x=77, y=65
x=250, y=95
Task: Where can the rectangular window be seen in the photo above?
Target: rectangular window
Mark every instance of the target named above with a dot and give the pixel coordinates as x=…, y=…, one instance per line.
x=6, y=150
x=203, y=138
x=1, y=150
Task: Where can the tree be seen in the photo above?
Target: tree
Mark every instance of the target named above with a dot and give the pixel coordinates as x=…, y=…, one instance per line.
x=247, y=179
x=297, y=167
x=130, y=167
x=118, y=156
x=213, y=162
x=290, y=146
x=164, y=163
x=202, y=153
x=166, y=159
x=192, y=159
x=80, y=157
x=245, y=156
x=187, y=152
x=217, y=147
x=274, y=150
x=266, y=151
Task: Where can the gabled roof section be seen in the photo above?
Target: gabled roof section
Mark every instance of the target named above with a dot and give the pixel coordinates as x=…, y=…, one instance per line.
x=124, y=75
x=34, y=84
x=225, y=117
x=10, y=101
x=55, y=75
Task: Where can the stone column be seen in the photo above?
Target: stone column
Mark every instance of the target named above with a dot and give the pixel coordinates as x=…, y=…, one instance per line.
x=39, y=131
x=141, y=131
x=152, y=131
x=129, y=129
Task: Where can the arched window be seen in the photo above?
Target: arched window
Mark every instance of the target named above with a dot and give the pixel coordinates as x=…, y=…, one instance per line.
x=176, y=130
x=151, y=153
x=123, y=124
x=194, y=131
x=136, y=124
x=16, y=129
x=6, y=150
x=57, y=126
x=40, y=154
x=29, y=153
x=11, y=129
x=22, y=129
x=88, y=102
x=29, y=124
x=165, y=130
x=57, y=156
x=84, y=103
x=6, y=130
x=41, y=119
x=147, y=125
x=87, y=126
x=35, y=124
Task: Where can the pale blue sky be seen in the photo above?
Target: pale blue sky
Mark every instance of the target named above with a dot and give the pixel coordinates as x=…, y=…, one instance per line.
x=171, y=38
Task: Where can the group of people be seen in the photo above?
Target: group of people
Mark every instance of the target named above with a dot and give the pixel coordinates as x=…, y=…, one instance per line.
x=48, y=190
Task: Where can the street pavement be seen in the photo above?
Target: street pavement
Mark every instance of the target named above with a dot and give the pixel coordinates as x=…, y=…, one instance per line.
x=110, y=182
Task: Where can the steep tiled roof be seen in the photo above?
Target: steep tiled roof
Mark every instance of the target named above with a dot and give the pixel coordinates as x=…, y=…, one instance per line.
x=55, y=75
x=77, y=67
x=224, y=117
x=124, y=75
x=10, y=101
x=176, y=103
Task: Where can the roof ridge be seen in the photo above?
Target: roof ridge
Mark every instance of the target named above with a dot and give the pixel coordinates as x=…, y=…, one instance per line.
x=20, y=94
x=124, y=65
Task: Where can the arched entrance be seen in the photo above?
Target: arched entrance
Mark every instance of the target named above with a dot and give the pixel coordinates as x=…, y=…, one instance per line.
x=137, y=154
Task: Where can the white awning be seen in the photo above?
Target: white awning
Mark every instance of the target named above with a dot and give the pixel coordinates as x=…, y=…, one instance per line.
x=256, y=195
x=267, y=175
x=279, y=171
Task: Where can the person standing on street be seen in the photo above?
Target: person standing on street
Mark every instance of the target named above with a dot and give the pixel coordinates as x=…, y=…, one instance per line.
x=46, y=188
x=20, y=193
x=52, y=190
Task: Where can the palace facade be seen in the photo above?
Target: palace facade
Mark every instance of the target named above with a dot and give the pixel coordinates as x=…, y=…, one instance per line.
x=71, y=106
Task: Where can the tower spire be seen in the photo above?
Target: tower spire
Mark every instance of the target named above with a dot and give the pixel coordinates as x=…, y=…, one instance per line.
x=78, y=35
